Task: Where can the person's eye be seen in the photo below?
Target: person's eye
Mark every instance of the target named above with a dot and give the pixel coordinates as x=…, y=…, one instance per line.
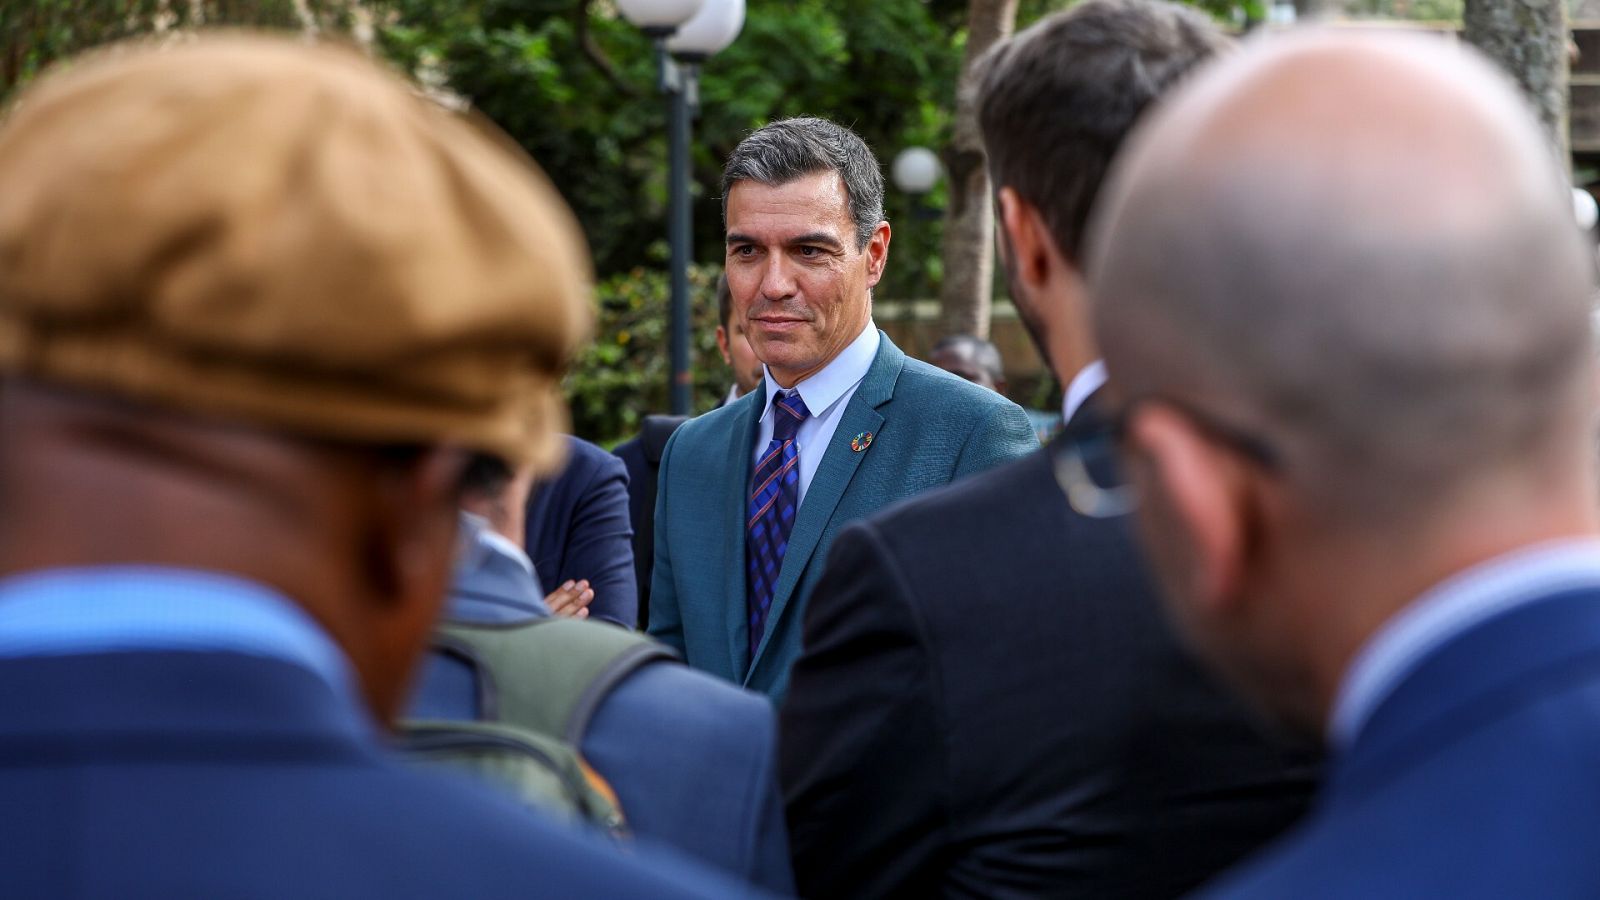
x=744, y=250
x=810, y=252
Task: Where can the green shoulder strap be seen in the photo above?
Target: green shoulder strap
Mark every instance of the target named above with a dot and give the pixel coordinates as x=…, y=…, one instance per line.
x=549, y=675
x=541, y=772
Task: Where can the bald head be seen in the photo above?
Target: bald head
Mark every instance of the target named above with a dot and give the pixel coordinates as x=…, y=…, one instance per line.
x=1360, y=248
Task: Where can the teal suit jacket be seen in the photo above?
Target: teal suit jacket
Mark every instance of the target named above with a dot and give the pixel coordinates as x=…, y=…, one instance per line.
x=928, y=428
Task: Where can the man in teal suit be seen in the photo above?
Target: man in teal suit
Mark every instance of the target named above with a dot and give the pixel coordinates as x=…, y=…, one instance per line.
x=842, y=425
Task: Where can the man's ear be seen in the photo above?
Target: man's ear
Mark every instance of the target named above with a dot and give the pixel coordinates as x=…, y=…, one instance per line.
x=722, y=345
x=1028, y=236
x=877, y=253
x=410, y=557
x=1196, y=503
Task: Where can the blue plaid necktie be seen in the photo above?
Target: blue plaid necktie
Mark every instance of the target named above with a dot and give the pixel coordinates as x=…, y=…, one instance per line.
x=774, y=499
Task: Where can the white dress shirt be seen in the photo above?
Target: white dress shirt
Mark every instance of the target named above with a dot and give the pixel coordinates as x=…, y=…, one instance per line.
x=1449, y=609
x=825, y=394
x=1089, y=379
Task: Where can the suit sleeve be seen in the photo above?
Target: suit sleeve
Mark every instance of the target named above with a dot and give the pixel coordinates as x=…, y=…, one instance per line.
x=600, y=544
x=1001, y=437
x=666, y=620
x=861, y=751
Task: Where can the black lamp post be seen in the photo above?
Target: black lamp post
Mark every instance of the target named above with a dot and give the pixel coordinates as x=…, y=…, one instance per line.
x=685, y=33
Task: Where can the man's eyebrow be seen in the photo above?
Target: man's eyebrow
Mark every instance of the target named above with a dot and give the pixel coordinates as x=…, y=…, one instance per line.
x=816, y=237
x=810, y=237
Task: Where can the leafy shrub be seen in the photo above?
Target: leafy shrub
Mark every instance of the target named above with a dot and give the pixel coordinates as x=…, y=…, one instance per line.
x=622, y=376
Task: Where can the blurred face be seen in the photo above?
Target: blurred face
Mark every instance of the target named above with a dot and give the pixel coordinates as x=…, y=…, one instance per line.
x=959, y=360
x=800, y=285
x=737, y=353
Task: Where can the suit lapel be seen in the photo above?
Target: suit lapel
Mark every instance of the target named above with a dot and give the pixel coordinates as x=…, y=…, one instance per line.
x=733, y=507
x=834, y=473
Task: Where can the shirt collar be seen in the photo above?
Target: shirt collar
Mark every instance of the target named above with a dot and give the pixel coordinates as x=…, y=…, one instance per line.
x=842, y=373
x=1450, y=608
x=1089, y=379
x=110, y=609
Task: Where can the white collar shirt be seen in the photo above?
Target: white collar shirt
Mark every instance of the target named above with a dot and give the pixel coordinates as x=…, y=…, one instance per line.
x=826, y=394
x=1089, y=379
x=1448, y=610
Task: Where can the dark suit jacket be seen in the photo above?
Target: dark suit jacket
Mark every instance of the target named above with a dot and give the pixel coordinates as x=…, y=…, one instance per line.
x=990, y=705
x=693, y=760
x=194, y=774
x=578, y=528
x=928, y=428
x=1478, y=777
x=642, y=458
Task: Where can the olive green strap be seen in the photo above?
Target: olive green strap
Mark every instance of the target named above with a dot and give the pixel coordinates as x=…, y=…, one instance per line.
x=550, y=675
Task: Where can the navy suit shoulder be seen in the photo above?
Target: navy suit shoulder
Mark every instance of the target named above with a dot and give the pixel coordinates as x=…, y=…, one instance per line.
x=1475, y=778
x=998, y=667
x=578, y=527
x=148, y=774
x=695, y=758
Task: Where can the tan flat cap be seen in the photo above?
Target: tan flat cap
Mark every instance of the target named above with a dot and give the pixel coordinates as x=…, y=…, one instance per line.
x=285, y=234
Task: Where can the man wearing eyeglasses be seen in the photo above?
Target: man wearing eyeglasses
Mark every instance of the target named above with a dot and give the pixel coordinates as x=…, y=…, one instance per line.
x=1358, y=403
x=989, y=703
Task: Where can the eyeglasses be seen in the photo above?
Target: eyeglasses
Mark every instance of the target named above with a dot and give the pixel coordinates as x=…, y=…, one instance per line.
x=1087, y=470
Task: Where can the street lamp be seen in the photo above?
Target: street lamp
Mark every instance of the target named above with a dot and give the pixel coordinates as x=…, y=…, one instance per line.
x=915, y=170
x=686, y=33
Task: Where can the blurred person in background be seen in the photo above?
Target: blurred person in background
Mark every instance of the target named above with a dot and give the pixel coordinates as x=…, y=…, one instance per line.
x=734, y=344
x=1358, y=406
x=577, y=532
x=971, y=358
x=230, y=488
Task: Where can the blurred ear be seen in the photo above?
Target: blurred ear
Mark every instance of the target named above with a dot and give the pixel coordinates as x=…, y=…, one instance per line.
x=1028, y=237
x=1195, y=508
x=722, y=344
x=411, y=548
x=877, y=253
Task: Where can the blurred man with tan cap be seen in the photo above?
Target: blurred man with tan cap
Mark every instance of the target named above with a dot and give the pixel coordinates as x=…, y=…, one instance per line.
x=1344, y=311
x=260, y=307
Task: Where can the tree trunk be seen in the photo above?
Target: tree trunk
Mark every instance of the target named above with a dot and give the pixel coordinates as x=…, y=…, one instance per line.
x=1528, y=39
x=968, y=249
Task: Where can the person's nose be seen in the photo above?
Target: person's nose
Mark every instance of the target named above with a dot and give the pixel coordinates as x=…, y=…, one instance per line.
x=778, y=281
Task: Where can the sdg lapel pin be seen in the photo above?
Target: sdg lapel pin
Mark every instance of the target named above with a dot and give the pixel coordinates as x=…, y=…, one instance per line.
x=861, y=441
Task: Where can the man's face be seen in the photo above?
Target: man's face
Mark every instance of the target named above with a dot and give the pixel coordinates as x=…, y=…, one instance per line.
x=737, y=353
x=961, y=361
x=799, y=283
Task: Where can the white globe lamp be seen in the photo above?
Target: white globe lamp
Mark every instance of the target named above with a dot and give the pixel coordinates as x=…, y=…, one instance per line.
x=915, y=170
x=711, y=30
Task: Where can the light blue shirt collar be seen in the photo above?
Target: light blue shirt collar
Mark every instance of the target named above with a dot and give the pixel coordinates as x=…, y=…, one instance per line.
x=58, y=612
x=1446, y=611
x=1089, y=379
x=822, y=390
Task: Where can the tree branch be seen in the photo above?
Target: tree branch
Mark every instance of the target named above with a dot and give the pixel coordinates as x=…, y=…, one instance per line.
x=593, y=53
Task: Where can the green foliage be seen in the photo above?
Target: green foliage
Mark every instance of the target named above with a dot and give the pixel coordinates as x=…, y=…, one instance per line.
x=622, y=376
x=35, y=33
x=576, y=85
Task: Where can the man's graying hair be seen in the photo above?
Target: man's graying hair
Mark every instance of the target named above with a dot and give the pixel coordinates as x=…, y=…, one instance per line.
x=788, y=149
x=1056, y=101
